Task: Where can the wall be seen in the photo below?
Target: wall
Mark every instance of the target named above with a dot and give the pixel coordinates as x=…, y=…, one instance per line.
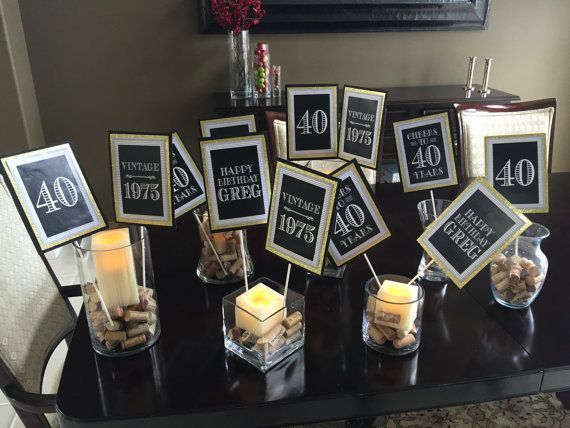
x=141, y=65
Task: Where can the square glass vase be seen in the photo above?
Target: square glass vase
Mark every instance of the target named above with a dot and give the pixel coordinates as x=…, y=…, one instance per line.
x=260, y=327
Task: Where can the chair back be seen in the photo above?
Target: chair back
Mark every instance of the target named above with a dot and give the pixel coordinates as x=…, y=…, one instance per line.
x=479, y=121
x=34, y=316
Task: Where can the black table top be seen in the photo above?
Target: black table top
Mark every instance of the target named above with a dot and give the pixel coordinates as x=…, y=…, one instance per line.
x=471, y=350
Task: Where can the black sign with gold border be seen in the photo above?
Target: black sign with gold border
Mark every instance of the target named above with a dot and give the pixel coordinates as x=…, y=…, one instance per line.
x=300, y=217
x=226, y=127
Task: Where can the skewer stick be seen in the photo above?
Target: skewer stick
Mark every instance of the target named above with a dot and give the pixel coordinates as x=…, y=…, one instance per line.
x=286, y=284
x=517, y=247
x=143, y=258
x=103, y=305
x=433, y=204
x=201, y=226
x=372, y=269
x=421, y=271
x=242, y=246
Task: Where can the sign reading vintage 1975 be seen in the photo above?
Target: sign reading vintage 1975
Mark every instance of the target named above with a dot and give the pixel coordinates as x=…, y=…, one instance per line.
x=140, y=167
x=238, y=187
x=465, y=237
x=357, y=223
x=516, y=168
x=361, y=125
x=312, y=121
x=425, y=152
x=54, y=195
x=300, y=217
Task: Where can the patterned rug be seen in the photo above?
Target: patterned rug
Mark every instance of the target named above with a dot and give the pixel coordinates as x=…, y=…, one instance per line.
x=542, y=410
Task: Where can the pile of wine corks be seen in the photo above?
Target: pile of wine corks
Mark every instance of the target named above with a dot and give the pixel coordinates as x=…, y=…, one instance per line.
x=382, y=334
x=132, y=325
x=228, y=248
x=515, y=279
x=282, y=335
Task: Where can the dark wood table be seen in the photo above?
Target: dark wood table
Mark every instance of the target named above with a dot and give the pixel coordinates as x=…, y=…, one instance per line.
x=471, y=349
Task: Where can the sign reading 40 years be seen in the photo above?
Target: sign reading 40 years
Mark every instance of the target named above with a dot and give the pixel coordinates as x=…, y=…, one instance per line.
x=54, y=195
x=425, y=152
x=140, y=168
x=300, y=217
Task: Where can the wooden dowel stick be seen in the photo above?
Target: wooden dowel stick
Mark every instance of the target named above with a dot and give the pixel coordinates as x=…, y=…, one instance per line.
x=286, y=284
x=421, y=271
x=143, y=258
x=242, y=246
x=372, y=269
x=433, y=204
x=209, y=242
x=85, y=269
x=517, y=247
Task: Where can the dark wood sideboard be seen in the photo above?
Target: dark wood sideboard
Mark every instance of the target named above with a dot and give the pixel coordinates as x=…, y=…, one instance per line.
x=402, y=103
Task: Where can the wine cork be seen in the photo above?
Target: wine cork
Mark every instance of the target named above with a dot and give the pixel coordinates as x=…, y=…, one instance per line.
x=138, y=330
x=115, y=336
x=293, y=330
x=388, y=332
x=376, y=335
x=136, y=316
x=292, y=319
x=410, y=339
x=134, y=341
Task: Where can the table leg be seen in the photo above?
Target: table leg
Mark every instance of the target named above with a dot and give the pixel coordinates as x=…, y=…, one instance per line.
x=564, y=397
x=360, y=423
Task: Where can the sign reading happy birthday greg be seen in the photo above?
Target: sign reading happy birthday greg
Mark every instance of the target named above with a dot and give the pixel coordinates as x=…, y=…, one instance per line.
x=300, y=218
x=236, y=173
x=465, y=237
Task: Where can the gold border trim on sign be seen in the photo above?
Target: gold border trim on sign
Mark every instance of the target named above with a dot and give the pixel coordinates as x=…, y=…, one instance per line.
x=372, y=202
x=62, y=147
x=200, y=200
x=203, y=144
x=116, y=180
x=457, y=201
x=401, y=156
x=333, y=151
x=382, y=101
x=273, y=210
x=545, y=209
x=245, y=117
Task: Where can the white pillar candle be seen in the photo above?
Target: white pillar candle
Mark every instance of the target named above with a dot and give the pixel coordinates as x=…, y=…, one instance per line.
x=115, y=267
x=390, y=311
x=258, y=310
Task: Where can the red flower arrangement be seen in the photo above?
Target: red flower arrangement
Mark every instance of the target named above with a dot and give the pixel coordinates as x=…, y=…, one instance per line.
x=236, y=15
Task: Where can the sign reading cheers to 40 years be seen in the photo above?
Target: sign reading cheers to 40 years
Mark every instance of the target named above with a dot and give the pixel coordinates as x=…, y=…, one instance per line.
x=300, y=217
x=465, y=237
x=358, y=225
x=516, y=167
x=187, y=181
x=236, y=172
x=140, y=167
x=312, y=121
x=361, y=125
x=54, y=195
x=425, y=152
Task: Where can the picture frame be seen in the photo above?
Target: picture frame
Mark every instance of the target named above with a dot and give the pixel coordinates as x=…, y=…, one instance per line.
x=361, y=227
x=141, y=178
x=54, y=195
x=425, y=169
x=521, y=152
x=188, y=190
x=359, y=103
x=312, y=116
x=228, y=126
x=229, y=166
x=441, y=239
x=307, y=207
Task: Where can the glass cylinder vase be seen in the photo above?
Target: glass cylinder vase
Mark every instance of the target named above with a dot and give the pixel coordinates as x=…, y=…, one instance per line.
x=117, y=283
x=433, y=273
x=240, y=64
x=221, y=261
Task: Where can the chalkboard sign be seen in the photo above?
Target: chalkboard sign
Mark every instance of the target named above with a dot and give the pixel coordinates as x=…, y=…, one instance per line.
x=54, y=195
x=357, y=222
x=225, y=127
x=238, y=187
x=361, y=125
x=300, y=217
x=477, y=225
x=425, y=152
x=142, y=188
x=516, y=168
x=312, y=121
x=187, y=181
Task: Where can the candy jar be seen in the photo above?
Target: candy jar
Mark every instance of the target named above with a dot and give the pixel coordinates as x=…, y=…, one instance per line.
x=261, y=71
x=276, y=80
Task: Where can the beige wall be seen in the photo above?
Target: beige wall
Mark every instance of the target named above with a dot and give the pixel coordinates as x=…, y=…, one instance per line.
x=141, y=65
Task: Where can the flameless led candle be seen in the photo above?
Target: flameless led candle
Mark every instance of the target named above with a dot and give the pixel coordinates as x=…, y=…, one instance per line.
x=391, y=309
x=262, y=305
x=115, y=267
